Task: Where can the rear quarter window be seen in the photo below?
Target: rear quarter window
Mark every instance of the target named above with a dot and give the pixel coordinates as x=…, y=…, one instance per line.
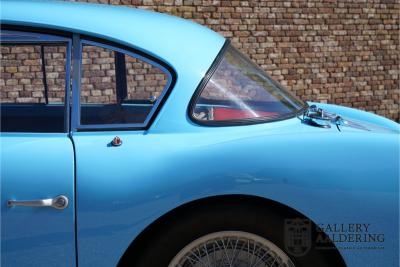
x=119, y=88
x=238, y=91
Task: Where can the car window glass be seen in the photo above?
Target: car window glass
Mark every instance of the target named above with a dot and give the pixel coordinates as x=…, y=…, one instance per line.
x=239, y=90
x=32, y=87
x=117, y=88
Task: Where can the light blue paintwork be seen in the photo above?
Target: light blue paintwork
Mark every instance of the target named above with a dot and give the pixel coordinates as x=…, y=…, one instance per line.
x=36, y=166
x=350, y=176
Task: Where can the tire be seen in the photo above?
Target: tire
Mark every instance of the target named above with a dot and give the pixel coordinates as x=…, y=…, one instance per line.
x=258, y=224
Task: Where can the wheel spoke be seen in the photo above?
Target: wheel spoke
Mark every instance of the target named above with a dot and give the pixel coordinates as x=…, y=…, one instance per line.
x=231, y=249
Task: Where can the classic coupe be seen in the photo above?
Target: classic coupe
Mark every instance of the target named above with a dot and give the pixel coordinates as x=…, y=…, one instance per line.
x=132, y=138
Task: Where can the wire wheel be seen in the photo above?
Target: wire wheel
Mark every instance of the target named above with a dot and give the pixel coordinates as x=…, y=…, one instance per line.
x=231, y=249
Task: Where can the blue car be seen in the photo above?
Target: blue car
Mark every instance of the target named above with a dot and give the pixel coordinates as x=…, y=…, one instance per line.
x=132, y=138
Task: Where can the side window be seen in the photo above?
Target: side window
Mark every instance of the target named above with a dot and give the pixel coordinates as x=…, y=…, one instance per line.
x=239, y=92
x=32, y=87
x=118, y=87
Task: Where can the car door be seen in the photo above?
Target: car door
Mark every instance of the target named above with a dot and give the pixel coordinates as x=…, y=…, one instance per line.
x=37, y=156
x=115, y=97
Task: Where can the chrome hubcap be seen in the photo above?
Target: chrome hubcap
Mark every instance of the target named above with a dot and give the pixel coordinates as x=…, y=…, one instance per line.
x=231, y=249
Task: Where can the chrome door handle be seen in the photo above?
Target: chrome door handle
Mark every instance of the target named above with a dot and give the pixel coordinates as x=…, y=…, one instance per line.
x=59, y=202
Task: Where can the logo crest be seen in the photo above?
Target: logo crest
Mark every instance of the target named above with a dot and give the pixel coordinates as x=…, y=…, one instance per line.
x=297, y=236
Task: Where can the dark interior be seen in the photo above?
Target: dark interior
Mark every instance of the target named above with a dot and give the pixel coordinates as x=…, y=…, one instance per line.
x=32, y=118
x=114, y=114
x=50, y=118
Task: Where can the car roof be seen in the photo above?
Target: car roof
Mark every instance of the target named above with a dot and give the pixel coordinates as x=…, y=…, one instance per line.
x=183, y=44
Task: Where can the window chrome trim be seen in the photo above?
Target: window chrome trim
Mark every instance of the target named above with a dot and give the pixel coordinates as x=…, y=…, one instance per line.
x=76, y=80
x=78, y=42
x=17, y=37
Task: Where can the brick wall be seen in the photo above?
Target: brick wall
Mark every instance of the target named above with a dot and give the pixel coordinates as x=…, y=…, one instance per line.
x=335, y=51
x=143, y=80
x=21, y=75
x=21, y=78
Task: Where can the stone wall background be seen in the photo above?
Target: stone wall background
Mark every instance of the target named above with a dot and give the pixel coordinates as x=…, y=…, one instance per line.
x=335, y=51
x=144, y=81
x=21, y=75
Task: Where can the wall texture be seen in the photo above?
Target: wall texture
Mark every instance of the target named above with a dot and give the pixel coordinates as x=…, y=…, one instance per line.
x=335, y=51
x=21, y=74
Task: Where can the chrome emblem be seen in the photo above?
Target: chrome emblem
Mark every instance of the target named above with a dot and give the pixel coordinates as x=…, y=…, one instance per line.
x=116, y=141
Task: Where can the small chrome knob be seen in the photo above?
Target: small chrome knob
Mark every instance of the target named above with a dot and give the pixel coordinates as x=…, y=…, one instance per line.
x=152, y=98
x=60, y=202
x=116, y=141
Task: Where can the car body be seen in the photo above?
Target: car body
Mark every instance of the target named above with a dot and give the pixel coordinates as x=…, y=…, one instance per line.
x=339, y=174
